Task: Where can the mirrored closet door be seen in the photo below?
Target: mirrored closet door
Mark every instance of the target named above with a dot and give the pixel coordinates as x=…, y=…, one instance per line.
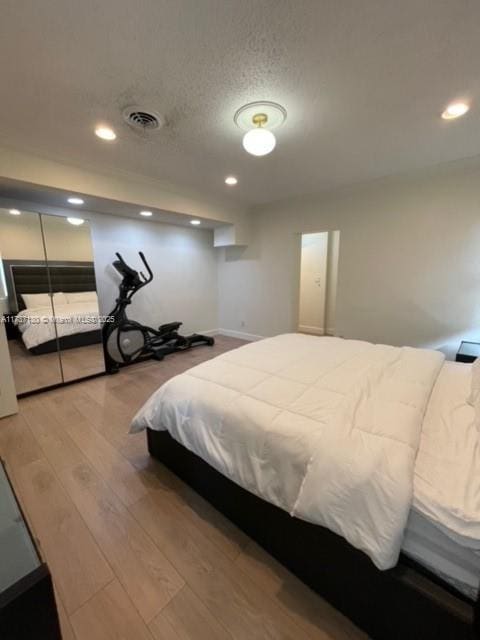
x=25, y=301
x=69, y=254
x=48, y=299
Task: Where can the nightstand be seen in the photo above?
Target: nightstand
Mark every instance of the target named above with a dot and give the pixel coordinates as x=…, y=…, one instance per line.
x=468, y=352
x=27, y=600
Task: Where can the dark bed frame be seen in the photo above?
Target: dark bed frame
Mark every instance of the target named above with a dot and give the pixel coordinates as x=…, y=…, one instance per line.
x=404, y=603
x=35, y=276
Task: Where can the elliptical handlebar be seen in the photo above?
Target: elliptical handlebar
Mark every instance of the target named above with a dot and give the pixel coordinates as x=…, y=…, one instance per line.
x=133, y=280
x=147, y=267
x=125, y=270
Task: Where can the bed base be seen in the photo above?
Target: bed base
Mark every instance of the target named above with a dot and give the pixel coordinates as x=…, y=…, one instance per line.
x=404, y=602
x=68, y=342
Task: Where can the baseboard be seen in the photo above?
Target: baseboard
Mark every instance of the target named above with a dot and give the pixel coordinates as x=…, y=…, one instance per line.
x=251, y=337
x=303, y=328
x=209, y=332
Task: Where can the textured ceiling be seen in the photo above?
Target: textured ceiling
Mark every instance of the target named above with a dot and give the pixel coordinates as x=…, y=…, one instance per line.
x=363, y=81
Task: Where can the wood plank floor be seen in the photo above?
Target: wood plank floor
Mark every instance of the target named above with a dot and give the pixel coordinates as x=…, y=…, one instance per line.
x=135, y=554
x=32, y=372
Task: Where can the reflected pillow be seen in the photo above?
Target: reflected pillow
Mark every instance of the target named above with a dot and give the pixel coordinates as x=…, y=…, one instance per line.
x=81, y=296
x=33, y=300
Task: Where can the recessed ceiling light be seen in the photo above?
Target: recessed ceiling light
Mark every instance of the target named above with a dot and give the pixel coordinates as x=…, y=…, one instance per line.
x=147, y=214
x=195, y=222
x=105, y=133
x=14, y=212
x=74, y=200
x=231, y=180
x=76, y=221
x=455, y=110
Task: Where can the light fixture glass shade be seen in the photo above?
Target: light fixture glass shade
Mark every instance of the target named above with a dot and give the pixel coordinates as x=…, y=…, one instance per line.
x=259, y=141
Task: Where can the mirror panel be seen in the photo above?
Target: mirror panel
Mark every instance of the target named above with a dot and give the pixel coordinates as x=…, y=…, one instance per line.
x=25, y=302
x=69, y=254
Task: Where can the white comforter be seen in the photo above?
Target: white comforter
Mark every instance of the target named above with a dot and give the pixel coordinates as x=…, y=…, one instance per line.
x=37, y=325
x=325, y=428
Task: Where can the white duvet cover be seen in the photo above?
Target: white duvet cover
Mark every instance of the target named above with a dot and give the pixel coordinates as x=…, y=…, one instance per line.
x=325, y=428
x=37, y=325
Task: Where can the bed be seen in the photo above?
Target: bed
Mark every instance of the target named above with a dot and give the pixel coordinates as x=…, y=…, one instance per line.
x=354, y=464
x=73, y=321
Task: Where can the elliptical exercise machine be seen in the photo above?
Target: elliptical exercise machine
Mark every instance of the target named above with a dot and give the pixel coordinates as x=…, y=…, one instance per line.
x=126, y=341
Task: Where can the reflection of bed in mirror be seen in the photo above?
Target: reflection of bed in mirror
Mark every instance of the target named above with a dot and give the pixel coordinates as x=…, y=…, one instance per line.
x=75, y=305
x=57, y=337
x=48, y=299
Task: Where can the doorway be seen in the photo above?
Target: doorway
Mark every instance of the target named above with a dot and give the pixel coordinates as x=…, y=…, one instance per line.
x=318, y=282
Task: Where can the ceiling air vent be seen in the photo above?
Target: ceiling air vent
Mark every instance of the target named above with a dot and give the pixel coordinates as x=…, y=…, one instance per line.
x=143, y=119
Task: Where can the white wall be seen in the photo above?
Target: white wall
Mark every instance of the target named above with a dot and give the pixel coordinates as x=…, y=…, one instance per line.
x=183, y=262
x=409, y=265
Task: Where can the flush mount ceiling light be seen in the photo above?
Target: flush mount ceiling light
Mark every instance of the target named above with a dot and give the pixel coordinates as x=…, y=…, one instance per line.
x=14, y=212
x=76, y=221
x=146, y=214
x=231, y=180
x=75, y=200
x=258, y=119
x=259, y=141
x=455, y=110
x=195, y=222
x=105, y=133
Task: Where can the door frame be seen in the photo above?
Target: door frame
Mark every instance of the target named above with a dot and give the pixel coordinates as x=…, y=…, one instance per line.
x=297, y=275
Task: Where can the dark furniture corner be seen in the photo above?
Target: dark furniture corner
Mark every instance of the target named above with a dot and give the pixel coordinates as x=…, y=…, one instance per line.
x=27, y=600
x=468, y=351
x=10, y=328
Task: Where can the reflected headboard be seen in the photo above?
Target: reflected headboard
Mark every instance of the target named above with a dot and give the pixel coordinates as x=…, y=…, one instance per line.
x=33, y=276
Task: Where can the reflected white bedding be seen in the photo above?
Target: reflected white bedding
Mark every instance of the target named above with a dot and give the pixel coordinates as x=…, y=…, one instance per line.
x=37, y=325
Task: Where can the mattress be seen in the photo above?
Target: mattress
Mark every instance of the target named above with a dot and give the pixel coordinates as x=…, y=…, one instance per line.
x=447, y=469
x=443, y=530
x=456, y=564
x=38, y=325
